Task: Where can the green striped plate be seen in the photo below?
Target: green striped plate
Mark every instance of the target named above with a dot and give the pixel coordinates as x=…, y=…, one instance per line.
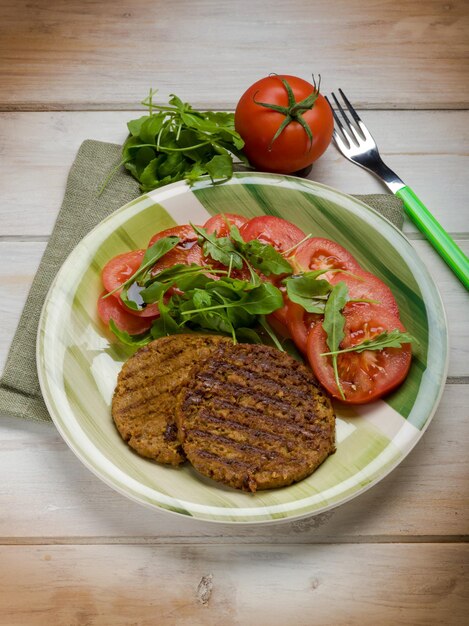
x=78, y=361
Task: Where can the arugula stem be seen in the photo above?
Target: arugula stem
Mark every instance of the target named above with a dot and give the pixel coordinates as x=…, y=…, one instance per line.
x=336, y=352
x=194, y=147
x=110, y=175
x=336, y=376
x=297, y=244
x=266, y=326
x=228, y=305
x=254, y=276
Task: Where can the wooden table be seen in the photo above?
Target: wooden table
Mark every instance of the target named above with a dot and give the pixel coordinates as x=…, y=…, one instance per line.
x=75, y=552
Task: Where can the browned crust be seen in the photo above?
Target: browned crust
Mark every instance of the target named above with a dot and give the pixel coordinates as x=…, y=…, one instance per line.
x=143, y=406
x=254, y=418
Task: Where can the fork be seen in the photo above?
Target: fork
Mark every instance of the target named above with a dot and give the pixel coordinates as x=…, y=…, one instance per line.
x=357, y=144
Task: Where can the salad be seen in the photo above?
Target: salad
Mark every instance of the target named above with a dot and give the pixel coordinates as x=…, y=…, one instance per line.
x=263, y=278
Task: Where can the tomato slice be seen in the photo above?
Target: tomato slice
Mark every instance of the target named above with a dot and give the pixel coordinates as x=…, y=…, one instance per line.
x=279, y=233
x=119, y=269
x=366, y=286
x=217, y=223
x=278, y=327
x=110, y=309
x=363, y=376
x=187, y=250
x=299, y=323
x=321, y=254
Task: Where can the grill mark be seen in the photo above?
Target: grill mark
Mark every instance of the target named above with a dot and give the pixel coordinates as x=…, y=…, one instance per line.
x=250, y=414
x=281, y=367
x=253, y=379
x=222, y=461
x=260, y=368
x=170, y=391
x=253, y=431
x=236, y=445
x=132, y=377
x=224, y=389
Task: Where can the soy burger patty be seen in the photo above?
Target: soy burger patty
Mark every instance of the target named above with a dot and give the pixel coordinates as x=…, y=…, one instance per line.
x=254, y=418
x=143, y=406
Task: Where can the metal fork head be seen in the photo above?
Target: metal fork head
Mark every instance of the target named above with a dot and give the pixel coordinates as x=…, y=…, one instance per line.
x=355, y=142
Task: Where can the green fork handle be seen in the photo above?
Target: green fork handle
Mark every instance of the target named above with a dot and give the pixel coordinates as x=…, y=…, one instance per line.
x=436, y=234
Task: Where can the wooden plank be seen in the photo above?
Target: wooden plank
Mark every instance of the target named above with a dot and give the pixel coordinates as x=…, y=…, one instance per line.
x=200, y=585
x=48, y=496
x=427, y=148
x=19, y=261
x=91, y=55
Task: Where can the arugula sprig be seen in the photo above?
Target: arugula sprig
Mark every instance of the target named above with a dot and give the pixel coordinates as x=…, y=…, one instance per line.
x=262, y=256
x=226, y=306
x=175, y=142
x=221, y=249
x=387, y=339
x=334, y=323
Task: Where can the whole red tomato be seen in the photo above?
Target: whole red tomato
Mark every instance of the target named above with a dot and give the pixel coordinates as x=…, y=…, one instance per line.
x=305, y=131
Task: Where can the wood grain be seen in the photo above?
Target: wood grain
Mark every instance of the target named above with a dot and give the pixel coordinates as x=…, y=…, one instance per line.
x=48, y=496
x=429, y=149
x=76, y=55
x=256, y=585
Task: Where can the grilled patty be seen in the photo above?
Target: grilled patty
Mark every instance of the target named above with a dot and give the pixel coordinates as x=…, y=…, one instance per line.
x=254, y=418
x=143, y=405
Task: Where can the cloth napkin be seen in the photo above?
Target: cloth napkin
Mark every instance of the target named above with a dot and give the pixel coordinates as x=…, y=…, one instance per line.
x=82, y=209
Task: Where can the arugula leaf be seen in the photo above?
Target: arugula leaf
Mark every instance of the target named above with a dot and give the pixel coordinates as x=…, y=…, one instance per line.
x=307, y=290
x=265, y=258
x=247, y=335
x=236, y=235
x=262, y=256
x=154, y=292
x=220, y=249
x=263, y=299
x=201, y=298
x=130, y=340
x=135, y=126
x=164, y=325
x=387, y=339
x=220, y=168
x=157, y=250
x=334, y=323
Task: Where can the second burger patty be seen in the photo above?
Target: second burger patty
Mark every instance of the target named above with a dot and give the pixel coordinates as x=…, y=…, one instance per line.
x=254, y=418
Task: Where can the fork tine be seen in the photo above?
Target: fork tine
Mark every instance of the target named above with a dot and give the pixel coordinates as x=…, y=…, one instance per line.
x=353, y=113
x=352, y=129
x=367, y=136
x=337, y=121
x=347, y=143
x=343, y=147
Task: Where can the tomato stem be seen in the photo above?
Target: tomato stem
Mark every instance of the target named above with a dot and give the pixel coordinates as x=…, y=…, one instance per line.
x=294, y=111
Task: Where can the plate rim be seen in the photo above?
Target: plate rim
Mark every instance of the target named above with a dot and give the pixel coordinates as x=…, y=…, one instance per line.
x=289, y=516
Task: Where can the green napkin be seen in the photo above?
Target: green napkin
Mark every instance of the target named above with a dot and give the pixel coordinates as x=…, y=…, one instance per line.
x=82, y=210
